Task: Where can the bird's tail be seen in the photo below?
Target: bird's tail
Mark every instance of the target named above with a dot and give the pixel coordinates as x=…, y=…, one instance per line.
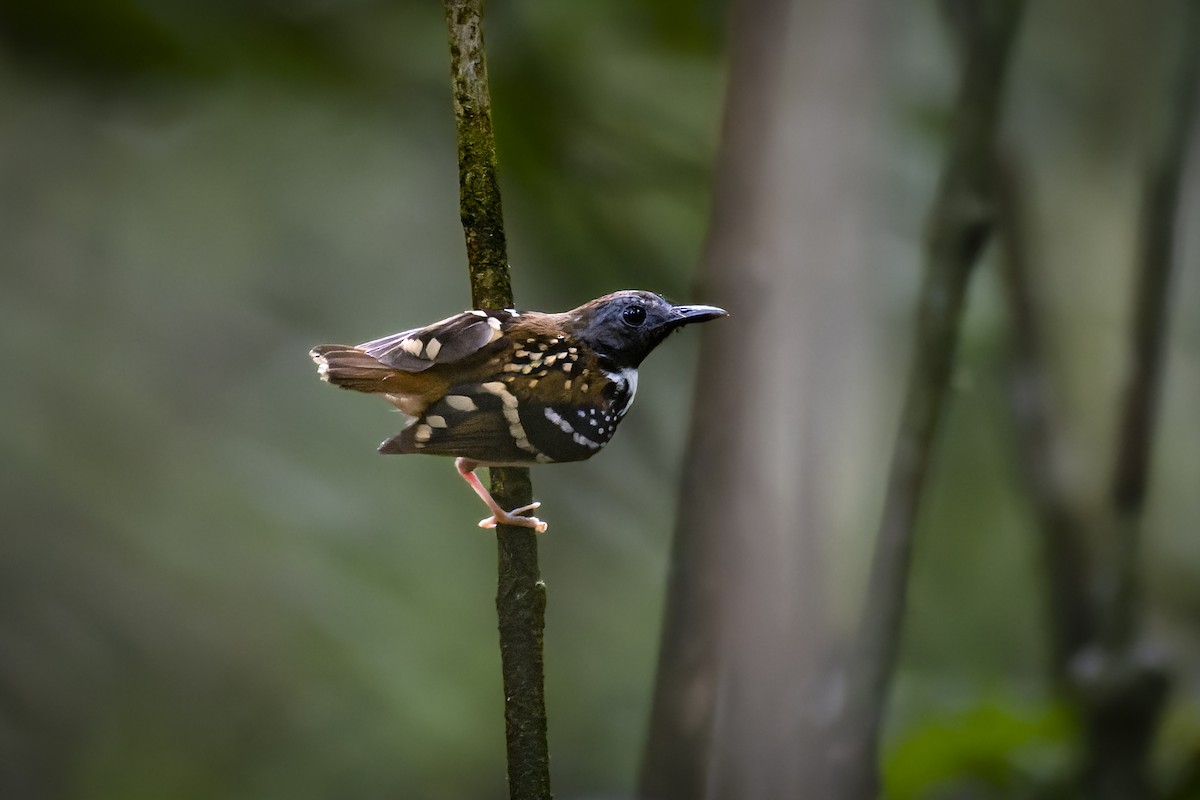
x=351, y=368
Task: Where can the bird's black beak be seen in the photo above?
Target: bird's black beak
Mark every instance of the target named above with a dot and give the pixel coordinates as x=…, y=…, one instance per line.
x=686, y=315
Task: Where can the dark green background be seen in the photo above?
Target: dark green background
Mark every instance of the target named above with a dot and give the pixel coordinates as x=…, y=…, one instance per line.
x=210, y=583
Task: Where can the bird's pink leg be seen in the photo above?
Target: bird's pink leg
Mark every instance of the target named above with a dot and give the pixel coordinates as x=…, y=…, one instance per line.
x=466, y=468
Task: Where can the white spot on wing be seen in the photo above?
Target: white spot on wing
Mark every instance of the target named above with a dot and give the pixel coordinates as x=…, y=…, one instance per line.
x=511, y=414
x=500, y=390
x=432, y=349
x=460, y=402
x=411, y=346
x=517, y=430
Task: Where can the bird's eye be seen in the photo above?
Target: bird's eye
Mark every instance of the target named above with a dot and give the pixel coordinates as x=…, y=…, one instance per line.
x=633, y=316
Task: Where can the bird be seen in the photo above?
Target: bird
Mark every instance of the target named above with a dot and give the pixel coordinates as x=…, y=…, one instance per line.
x=502, y=387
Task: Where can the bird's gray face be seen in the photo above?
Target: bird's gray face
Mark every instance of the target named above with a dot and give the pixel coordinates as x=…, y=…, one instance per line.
x=625, y=327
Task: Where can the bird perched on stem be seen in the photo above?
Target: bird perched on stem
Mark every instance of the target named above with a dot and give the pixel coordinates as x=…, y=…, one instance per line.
x=506, y=388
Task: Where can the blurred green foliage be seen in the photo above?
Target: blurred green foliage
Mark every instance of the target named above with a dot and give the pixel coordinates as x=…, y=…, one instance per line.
x=994, y=749
x=213, y=587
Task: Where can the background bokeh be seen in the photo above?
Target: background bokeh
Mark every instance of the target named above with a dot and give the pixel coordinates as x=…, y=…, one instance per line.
x=210, y=583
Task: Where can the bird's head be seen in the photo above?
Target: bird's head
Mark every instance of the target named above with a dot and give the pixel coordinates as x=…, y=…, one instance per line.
x=626, y=326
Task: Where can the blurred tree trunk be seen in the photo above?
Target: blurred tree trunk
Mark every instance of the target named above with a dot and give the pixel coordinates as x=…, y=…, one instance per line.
x=961, y=223
x=1130, y=84
x=739, y=698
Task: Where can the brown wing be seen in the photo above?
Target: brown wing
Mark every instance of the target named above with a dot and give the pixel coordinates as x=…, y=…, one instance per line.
x=476, y=421
x=444, y=342
x=546, y=414
x=350, y=368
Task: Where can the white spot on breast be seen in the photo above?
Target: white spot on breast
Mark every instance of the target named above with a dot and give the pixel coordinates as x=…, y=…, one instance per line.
x=432, y=349
x=557, y=419
x=586, y=442
x=422, y=433
x=460, y=402
x=436, y=421
x=495, y=323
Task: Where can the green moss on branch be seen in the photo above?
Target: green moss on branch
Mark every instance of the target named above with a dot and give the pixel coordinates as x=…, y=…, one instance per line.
x=521, y=595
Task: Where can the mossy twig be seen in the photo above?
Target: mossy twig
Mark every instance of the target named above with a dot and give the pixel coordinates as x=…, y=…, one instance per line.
x=520, y=595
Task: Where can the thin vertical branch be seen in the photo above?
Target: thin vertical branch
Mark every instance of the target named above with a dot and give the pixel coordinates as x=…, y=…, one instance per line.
x=520, y=594
x=1123, y=680
x=961, y=222
x=1039, y=440
x=1156, y=246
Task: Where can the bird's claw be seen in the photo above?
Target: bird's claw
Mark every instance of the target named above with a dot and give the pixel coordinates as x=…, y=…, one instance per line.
x=514, y=518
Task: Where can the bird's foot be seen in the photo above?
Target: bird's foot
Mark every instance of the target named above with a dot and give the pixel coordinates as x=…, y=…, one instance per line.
x=514, y=518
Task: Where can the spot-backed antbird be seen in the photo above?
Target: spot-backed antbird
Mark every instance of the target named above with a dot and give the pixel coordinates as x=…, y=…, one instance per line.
x=505, y=388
